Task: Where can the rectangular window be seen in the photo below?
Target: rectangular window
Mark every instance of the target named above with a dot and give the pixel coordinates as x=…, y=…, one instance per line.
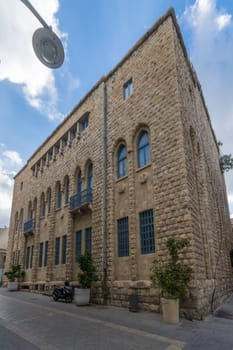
x=123, y=236
x=73, y=133
x=128, y=89
x=57, y=148
x=57, y=250
x=50, y=155
x=88, y=239
x=46, y=253
x=31, y=260
x=64, y=242
x=41, y=254
x=78, y=245
x=21, y=186
x=147, y=232
x=83, y=122
x=27, y=257
x=65, y=141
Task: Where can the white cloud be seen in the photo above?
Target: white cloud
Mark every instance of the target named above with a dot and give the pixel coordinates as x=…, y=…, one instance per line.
x=19, y=64
x=10, y=163
x=211, y=53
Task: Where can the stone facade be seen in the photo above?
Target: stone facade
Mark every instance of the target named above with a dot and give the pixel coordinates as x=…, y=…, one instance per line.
x=176, y=188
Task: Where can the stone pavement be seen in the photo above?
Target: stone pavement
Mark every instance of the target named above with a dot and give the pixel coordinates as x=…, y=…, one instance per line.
x=35, y=322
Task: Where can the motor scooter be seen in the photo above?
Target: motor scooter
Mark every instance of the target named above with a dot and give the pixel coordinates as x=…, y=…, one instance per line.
x=65, y=293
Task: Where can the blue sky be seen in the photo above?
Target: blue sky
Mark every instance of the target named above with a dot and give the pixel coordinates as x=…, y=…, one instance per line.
x=96, y=35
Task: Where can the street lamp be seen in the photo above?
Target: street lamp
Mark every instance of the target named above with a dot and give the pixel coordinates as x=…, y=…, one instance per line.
x=46, y=44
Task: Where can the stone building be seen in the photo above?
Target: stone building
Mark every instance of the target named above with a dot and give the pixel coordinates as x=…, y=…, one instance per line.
x=3, y=248
x=135, y=162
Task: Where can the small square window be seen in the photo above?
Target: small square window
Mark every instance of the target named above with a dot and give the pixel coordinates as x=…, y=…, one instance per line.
x=83, y=123
x=128, y=89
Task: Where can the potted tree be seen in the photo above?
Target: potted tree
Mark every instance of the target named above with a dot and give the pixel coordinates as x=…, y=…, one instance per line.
x=85, y=277
x=173, y=278
x=14, y=275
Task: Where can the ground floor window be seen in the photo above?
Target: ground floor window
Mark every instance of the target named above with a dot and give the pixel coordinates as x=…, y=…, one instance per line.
x=147, y=231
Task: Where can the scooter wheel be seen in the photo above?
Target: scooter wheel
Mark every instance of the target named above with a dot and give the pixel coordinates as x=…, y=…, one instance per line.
x=55, y=298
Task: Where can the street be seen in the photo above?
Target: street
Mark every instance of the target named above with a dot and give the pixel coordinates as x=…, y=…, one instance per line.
x=33, y=321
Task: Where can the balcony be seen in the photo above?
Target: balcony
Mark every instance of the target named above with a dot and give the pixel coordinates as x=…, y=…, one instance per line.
x=81, y=200
x=28, y=227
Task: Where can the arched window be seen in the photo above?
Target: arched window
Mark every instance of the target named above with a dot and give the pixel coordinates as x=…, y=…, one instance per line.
x=121, y=161
x=67, y=189
x=49, y=199
x=79, y=182
x=143, y=149
x=42, y=205
x=30, y=211
x=59, y=195
x=90, y=177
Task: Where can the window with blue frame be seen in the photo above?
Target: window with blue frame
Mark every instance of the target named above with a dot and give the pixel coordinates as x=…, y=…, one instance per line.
x=143, y=149
x=41, y=254
x=73, y=132
x=27, y=257
x=123, y=237
x=90, y=177
x=64, y=243
x=46, y=253
x=147, y=232
x=49, y=199
x=78, y=245
x=79, y=182
x=43, y=205
x=127, y=89
x=88, y=239
x=83, y=122
x=59, y=196
x=57, y=250
x=31, y=259
x=67, y=190
x=121, y=161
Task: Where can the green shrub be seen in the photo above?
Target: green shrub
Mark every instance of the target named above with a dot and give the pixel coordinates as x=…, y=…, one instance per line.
x=172, y=277
x=88, y=271
x=14, y=273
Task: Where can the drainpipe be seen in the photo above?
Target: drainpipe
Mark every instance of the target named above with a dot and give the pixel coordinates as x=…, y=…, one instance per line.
x=105, y=288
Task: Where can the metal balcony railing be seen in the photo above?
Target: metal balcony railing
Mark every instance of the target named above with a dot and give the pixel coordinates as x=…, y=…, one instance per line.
x=29, y=226
x=80, y=199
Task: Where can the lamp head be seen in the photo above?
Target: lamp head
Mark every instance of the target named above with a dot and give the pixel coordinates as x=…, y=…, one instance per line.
x=48, y=47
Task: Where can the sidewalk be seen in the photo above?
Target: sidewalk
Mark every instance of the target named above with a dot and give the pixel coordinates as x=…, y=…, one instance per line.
x=56, y=325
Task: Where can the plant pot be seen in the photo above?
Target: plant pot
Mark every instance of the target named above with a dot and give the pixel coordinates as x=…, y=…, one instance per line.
x=170, y=310
x=13, y=286
x=82, y=296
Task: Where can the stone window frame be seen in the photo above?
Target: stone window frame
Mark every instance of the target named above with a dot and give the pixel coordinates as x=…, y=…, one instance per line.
x=128, y=89
x=123, y=236
x=144, y=147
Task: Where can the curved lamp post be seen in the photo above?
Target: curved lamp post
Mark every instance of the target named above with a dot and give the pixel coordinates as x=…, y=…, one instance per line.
x=46, y=44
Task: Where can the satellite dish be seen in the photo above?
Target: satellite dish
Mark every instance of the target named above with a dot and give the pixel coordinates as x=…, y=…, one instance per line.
x=48, y=47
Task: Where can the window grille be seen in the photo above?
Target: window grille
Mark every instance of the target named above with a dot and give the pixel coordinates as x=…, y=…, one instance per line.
x=78, y=245
x=88, y=239
x=147, y=232
x=41, y=254
x=64, y=243
x=46, y=253
x=57, y=250
x=123, y=236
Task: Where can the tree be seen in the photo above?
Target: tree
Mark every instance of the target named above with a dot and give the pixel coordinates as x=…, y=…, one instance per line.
x=225, y=161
